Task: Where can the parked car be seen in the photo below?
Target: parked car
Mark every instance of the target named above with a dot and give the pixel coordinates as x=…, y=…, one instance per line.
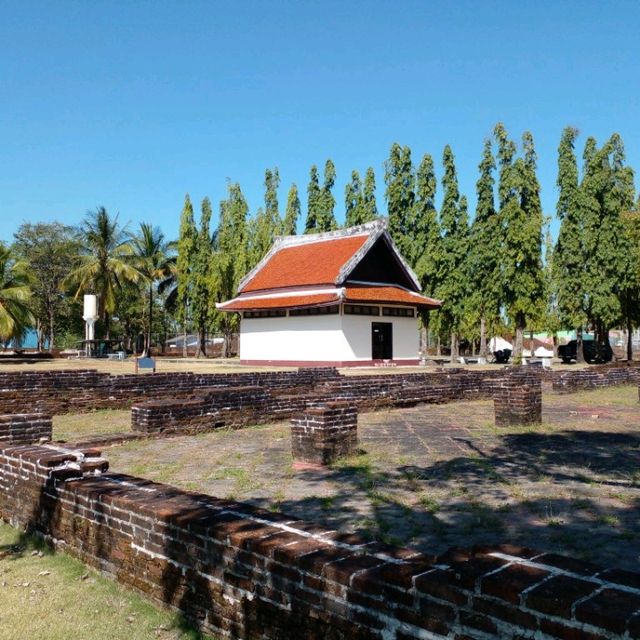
x=594, y=353
x=502, y=356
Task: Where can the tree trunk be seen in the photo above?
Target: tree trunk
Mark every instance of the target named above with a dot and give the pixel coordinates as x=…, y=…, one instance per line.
x=532, y=346
x=629, y=340
x=579, y=349
x=107, y=326
x=148, y=339
x=184, y=335
x=483, y=337
x=517, y=347
x=455, y=347
x=202, y=340
x=555, y=345
x=438, y=346
x=52, y=330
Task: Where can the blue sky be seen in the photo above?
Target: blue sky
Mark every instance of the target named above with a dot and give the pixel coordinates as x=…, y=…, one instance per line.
x=132, y=104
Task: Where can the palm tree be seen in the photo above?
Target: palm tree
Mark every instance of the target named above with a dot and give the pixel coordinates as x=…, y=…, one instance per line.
x=105, y=261
x=153, y=258
x=15, y=293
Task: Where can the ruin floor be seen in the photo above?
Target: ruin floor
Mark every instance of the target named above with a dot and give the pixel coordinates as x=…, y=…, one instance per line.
x=433, y=477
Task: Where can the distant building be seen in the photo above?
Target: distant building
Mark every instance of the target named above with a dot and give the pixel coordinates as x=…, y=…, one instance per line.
x=340, y=298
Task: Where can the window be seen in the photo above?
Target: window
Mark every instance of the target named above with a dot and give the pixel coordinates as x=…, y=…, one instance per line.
x=403, y=312
x=361, y=310
x=265, y=313
x=315, y=311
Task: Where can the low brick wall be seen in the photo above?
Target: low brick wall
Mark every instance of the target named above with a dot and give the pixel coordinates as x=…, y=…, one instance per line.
x=24, y=428
x=241, y=572
x=324, y=432
x=518, y=398
x=594, y=378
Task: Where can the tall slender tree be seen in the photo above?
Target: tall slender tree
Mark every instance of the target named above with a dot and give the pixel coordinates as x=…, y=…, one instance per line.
x=325, y=218
x=354, y=201
x=314, y=197
x=569, y=253
x=369, y=195
x=231, y=256
x=187, y=247
x=272, y=213
x=453, y=276
x=292, y=214
x=400, y=194
x=202, y=278
x=484, y=251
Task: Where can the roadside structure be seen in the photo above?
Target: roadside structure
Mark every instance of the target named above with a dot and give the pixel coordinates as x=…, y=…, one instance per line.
x=341, y=298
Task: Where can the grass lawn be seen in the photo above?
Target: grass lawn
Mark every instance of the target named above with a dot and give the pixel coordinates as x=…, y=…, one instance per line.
x=73, y=427
x=52, y=596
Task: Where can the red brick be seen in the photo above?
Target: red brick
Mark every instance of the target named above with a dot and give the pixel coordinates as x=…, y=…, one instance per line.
x=609, y=609
x=558, y=595
x=509, y=583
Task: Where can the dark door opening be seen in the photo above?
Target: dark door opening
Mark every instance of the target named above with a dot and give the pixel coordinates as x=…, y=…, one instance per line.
x=381, y=341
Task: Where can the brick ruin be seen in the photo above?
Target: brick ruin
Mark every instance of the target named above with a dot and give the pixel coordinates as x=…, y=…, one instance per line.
x=241, y=572
x=518, y=399
x=324, y=432
x=25, y=428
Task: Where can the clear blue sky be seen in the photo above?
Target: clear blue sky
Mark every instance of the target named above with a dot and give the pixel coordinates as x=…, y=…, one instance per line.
x=132, y=104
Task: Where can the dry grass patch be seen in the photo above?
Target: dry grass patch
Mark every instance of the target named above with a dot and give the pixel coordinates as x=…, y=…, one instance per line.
x=72, y=427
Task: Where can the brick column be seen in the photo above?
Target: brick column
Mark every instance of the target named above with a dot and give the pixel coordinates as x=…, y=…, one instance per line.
x=518, y=398
x=24, y=428
x=324, y=432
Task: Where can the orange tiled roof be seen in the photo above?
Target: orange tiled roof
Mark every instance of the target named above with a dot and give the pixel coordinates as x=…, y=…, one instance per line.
x=306, y=264
x=390, y=294
x=280, y=302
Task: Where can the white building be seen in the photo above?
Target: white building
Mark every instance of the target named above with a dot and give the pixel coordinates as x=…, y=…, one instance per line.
x=343, y=298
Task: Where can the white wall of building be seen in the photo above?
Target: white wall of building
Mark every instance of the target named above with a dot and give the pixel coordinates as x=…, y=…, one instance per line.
x=323, y=338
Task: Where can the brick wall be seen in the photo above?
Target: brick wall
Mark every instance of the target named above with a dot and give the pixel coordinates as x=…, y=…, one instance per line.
x=241, y=572
x=324, y=432
x=594, y=378
x=518, y=398
x=24, y=428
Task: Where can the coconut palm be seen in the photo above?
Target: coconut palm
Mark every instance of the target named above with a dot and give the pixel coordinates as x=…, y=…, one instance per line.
x=153, y=258
x=105, y=261
x=15, y=293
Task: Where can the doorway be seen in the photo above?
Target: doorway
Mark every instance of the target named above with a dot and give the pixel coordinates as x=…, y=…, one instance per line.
x=381, y=340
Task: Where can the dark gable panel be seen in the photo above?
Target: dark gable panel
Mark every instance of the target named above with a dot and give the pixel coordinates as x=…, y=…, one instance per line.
x=381, y=265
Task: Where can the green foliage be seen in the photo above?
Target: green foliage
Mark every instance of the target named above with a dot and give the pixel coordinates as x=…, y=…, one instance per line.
x=325, y=219
x=452, y=274
x=314, y=197
x=427, y=246
x=104, y=261
x=369, y=195
x=49, y=250
x=292, y=214
x=187, y=247
x=400, y=195
x=354, y=201
x=202, y=303
x=15, y=295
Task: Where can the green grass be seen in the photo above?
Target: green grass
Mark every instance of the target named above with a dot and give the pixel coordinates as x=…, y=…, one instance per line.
x=55, y=597
x=78, y=426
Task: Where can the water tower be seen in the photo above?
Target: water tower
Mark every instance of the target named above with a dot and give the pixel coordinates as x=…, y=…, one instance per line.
x=90, y=315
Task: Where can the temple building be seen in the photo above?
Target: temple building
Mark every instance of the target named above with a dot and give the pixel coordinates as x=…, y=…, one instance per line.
x=342, y=298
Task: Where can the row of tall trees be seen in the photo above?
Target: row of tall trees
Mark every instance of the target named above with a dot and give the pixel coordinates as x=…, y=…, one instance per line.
x=496, y=270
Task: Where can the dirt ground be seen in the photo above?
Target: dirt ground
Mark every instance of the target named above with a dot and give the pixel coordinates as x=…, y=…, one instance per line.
x=433, y=476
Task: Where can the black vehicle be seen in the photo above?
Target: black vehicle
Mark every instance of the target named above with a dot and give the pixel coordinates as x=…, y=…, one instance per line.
x=502, y=356
x=594, y=353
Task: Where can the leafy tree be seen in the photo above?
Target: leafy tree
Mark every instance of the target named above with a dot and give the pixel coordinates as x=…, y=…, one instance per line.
x=15, y=294
x=153, y=258
x=325, y=218
x=630, y=298
x=484, y=252
x=354, y=201
x=104, y=262
x=369, y=196
x=187, y=247
x=607, y=192
x=314, y=198
x=453, y=276
x=202, y=278
x=290, y=223
x=271, y=184
x=400, y=195
x=569, y=254
x=48, y=249
x=231, y=257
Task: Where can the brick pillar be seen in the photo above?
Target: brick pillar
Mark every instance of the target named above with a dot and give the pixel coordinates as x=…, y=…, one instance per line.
x=518, y=398
x=324, y=432
x=24, y=428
